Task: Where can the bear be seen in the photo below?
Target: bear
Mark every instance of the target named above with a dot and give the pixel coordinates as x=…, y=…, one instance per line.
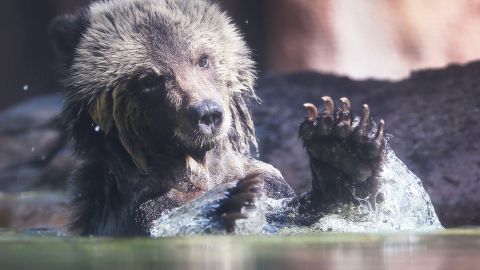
x=157, y=104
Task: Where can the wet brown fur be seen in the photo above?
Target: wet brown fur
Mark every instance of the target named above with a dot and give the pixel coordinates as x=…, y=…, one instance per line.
x=140, y=154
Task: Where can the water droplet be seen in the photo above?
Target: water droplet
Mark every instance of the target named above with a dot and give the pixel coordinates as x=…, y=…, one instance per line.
x=25, y=87
x=246, y=21
x=97, y=129
x=33, y=149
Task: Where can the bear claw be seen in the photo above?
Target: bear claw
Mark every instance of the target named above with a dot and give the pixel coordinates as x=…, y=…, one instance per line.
x=329, y=107
x=312, y=111
x=345, y=105
x=242, y=195
x=344, y=125
x=361, y=131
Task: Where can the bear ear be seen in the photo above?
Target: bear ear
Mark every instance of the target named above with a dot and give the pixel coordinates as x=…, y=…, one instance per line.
x=65, y=32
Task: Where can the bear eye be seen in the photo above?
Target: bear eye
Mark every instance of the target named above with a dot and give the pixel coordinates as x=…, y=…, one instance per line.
x=203, y=62
x=151, y=81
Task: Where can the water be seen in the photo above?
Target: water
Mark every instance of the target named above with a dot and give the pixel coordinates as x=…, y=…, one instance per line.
x=451, y=249
x=407, y=207
x=193, y=218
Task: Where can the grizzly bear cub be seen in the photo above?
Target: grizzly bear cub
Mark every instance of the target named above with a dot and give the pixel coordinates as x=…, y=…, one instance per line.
x=157, y=104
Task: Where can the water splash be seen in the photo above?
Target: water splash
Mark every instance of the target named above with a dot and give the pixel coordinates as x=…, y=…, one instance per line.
x=196, y=217
x=190, y=219
x=407, y=206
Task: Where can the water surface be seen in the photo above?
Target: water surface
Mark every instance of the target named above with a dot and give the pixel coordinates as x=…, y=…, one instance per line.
x=452, y=249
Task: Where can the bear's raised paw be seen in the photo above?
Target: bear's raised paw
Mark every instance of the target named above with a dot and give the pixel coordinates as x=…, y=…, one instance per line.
x=346, y=152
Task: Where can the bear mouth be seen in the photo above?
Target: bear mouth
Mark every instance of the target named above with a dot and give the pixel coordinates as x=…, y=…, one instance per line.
x=196, y=143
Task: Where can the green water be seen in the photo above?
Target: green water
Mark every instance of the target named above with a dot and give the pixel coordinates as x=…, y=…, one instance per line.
x=454, y=249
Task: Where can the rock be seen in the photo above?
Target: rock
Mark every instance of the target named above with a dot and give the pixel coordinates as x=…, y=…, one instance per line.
x=33, y=210
x=33, y=147
x=33, y=113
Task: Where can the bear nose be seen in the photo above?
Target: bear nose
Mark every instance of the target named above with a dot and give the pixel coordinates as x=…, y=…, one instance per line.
x=208, y=115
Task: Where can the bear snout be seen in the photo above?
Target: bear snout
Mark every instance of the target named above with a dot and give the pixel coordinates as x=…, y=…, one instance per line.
x=207, y=116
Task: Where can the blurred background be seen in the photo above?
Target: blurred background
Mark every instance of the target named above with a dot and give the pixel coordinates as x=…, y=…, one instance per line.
x=361, y=39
